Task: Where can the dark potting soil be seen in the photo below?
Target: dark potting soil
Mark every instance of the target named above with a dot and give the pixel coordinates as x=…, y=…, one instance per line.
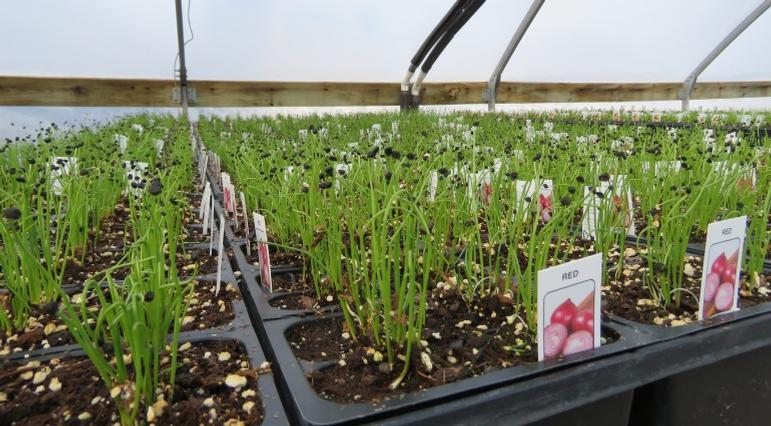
x=628, y=297
x=277, y=257
x=460, y=340
x=29, y=394
x=205, y=311
x=103, y=252
x=299, y=293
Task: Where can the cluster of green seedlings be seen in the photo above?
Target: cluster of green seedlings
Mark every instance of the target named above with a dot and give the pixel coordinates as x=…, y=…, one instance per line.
x=54, y=192
x=384, y=207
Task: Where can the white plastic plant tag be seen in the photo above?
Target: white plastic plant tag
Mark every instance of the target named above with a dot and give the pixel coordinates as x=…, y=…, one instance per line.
x=394, y=127
x=261, y=236
x=135, y=173
x=246, y=223
x=228, y=195
x=546, y=200
x=746, y=120
x=303, y=134
x=61, y=166
x=138, y=128
x=122, y=142
x=722, y=267
x=220, y=253
x=159, y=144
x=204, y=198
x=701, y=118
x=433, y=183
x=569, y=307
x=656, y=117
x=206, y=207
x=341, y=171
x=590, y=212
x=211, y=225
x=525, y=191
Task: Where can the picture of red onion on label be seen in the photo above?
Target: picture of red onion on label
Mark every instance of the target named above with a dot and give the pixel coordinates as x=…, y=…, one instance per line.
x=570, y=325
x=720, y=281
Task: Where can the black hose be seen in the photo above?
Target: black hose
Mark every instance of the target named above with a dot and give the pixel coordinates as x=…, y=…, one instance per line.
x=459, y=21
x=437, y=32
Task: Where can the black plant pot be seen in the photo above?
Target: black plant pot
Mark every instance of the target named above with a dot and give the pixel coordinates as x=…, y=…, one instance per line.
x=533, y=381
x=721, y=376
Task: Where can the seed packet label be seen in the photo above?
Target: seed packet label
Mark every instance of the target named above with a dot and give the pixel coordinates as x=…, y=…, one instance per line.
x=61, y=166
x=722, y=266
x=569, y=307
x=220, y=253
x=135, y=173
x=261, y=236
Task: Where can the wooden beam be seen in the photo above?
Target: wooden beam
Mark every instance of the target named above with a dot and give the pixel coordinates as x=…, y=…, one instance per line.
x=98, y=92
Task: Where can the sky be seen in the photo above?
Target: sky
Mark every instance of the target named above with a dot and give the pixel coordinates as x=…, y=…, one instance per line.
x=372, y=40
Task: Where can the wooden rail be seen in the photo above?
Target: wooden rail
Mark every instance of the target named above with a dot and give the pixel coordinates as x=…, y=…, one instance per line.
x=98, y=92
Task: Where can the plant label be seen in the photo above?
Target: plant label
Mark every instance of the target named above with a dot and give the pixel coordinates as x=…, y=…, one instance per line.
x=228, y=193
x=303, y=134
x=60, y=167
x=122, y=142
x=211, y=225
x=246, y=223
x=261, y=236
x=341, y=171
x=220, y=253
x=546, y=200
x=206, y=208
x=722, y=267
x=433, y=183
x=569, y=307
x=135, y=177
x=138, y=128
x=159, y=144
x=610, y=207
x=204, y=199
x=525, y=191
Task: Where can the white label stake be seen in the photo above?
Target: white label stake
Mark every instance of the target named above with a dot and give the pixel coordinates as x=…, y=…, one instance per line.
x=220, y=250
x=211, y=225
x=261, y=236
x=722, y=264
x=246, y=223
x=569, y=307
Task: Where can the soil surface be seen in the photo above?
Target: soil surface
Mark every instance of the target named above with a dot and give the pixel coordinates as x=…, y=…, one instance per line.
x=291, y=291
x=205, y=311
x=69, y=391
x=460, y=340
x=627, y=296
